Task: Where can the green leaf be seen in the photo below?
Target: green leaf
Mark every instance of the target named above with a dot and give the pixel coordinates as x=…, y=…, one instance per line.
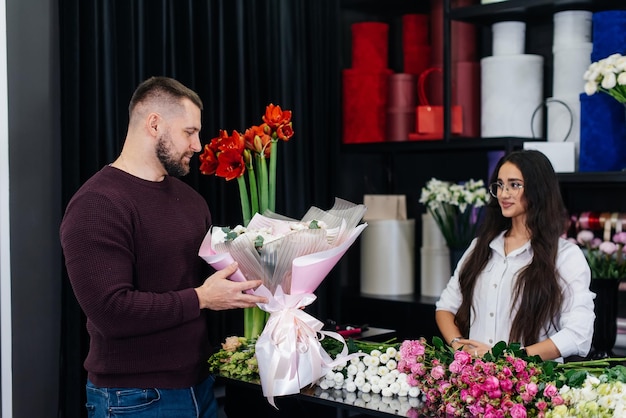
x=575, y=378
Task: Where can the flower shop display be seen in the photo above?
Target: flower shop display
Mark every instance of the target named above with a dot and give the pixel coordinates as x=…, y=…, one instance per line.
x=417, y=378
x=607, y=75
x=605, y=258
x=252, y=155
x=457, y=210
x=608, y=267
x=292, y=258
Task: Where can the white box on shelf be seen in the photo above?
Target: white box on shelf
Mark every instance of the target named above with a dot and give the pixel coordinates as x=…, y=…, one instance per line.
x=562, y=155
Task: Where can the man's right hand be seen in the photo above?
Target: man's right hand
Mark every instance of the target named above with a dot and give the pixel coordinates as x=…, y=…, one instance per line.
x=219, y=293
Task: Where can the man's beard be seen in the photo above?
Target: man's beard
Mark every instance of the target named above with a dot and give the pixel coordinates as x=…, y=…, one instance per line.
x=173, y=165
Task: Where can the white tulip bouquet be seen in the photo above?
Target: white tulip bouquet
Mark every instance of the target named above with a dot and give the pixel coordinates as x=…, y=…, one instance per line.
x=607, y=75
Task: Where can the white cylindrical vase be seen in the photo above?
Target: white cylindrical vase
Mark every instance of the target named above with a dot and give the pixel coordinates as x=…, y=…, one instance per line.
x=511, y=91
x=388, y=257
x=431, y=234
x=435, y=271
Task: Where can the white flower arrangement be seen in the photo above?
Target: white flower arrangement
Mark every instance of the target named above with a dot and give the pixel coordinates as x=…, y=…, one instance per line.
x=607, y=75
x=376, y=380
x=456, y=208
x=375, y=372
x=598, y=397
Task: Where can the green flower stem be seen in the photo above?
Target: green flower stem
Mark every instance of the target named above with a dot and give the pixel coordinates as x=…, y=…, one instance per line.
x=272, y=182
x=253, y=321
x=600, y=363
x=245, y=204
x=262, y=182
x=254, y=195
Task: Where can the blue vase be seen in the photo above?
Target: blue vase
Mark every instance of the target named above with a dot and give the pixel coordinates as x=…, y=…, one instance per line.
x=455, y=257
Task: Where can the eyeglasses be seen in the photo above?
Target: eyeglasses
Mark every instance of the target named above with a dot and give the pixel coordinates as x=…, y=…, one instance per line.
x=512, y=188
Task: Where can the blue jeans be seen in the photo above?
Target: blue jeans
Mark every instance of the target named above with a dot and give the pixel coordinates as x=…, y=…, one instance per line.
x=194, y=402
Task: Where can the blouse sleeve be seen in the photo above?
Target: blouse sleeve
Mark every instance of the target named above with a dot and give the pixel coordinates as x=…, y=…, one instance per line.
x=577, y=315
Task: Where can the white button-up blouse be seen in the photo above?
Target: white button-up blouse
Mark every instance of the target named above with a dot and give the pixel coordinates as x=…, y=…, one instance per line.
x=490, y=320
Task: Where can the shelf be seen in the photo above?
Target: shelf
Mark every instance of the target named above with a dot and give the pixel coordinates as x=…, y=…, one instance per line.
x=455, y=144
x=609, y=177
x=391, y=6
x=487, y=14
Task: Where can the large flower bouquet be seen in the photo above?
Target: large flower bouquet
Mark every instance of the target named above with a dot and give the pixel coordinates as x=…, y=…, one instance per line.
x=605, y=258
x=607, y=75
x=292, y=258
x=251, y=155
x=456, y=208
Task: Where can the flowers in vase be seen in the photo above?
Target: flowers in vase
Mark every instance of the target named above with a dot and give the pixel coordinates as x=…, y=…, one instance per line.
x=456, y=208
x=606, y=259
x=607, y=75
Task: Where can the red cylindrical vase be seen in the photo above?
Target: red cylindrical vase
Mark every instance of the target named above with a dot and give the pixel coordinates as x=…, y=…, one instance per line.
x=370, y=45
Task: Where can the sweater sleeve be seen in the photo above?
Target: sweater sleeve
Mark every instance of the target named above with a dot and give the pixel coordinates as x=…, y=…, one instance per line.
x=98, y=245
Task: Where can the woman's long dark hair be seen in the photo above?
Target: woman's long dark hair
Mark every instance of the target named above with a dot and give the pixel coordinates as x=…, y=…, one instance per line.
x=537, y=287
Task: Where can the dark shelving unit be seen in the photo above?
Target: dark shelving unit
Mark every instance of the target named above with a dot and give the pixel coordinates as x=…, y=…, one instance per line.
x=404, y=167
x=527, y=10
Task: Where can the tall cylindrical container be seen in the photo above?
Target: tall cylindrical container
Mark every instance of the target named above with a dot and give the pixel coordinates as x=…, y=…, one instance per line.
x=388, y=257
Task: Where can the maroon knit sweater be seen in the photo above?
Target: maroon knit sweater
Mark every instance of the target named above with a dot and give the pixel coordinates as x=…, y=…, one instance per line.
x=131, y=251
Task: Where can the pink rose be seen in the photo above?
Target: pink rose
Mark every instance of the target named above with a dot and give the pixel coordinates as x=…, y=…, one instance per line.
x=491, y=383
x=438, y=372
x=518, y=411
x=608, y=247
x=550, y=391
x=542, y=405
x=532, y=389
x=620, y=237
x=584, y=237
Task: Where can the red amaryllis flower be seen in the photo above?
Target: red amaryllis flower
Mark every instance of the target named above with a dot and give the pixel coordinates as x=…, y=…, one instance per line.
x=208, y=161
x=231, y=164
x=275, y=116
x=284, y=132
x=257, y=140
x=234, y=142
x=251, y=159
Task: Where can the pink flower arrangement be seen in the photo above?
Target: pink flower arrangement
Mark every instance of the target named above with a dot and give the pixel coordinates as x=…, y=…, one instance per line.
x=606, y=259
x=501, y=384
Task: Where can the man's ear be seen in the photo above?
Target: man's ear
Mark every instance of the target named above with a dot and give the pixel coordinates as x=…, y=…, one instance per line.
x=152, y=123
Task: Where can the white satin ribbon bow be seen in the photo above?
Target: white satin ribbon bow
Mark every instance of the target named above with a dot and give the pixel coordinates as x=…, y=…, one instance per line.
x=288, y=350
